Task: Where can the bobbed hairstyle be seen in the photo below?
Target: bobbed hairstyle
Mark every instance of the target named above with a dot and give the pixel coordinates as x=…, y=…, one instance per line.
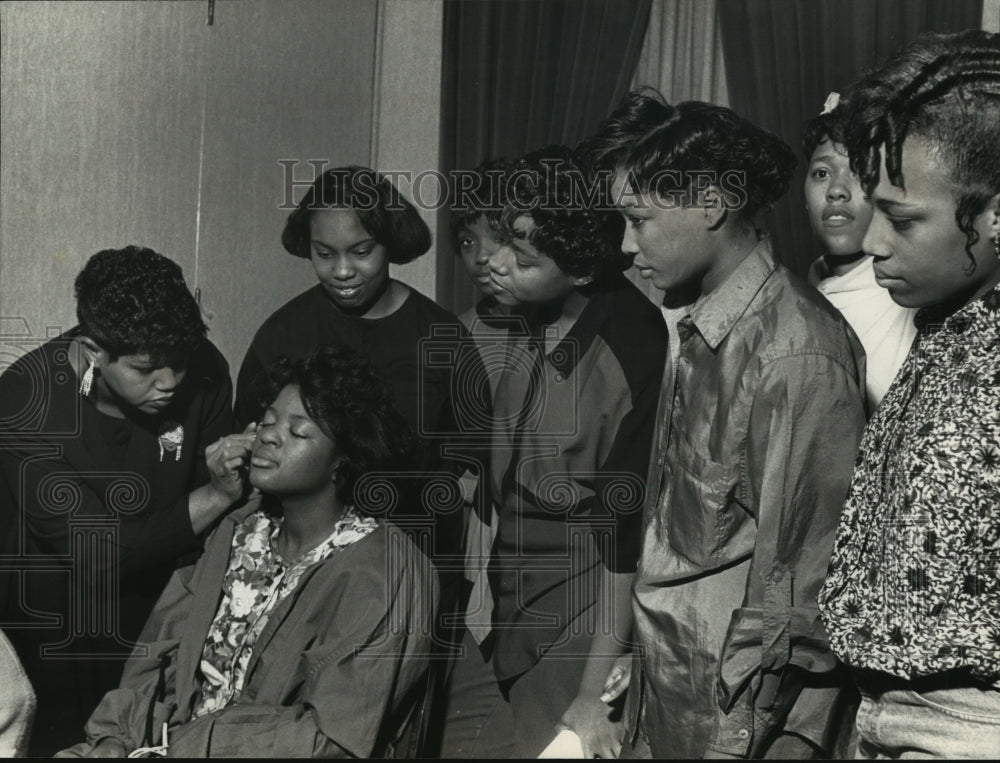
x=574, y=224
x=944, y=89
x=640, y=112
x=134, y=301
x=700, y=141
x=478, y=191
x=354, y=406
x=388, y=217
x=827, y=127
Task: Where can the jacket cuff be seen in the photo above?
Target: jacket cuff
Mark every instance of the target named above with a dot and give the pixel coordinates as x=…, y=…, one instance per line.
x=734, y=731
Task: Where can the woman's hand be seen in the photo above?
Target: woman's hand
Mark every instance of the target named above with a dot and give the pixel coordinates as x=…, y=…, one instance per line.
x=618, y=680
x=227, y=459
x=591, y=718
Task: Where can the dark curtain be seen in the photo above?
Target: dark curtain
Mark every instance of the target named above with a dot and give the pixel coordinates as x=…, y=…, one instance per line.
x=522, y=74
x=784, y=56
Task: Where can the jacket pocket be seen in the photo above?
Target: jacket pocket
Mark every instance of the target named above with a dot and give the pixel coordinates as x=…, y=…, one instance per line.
x=703, y=515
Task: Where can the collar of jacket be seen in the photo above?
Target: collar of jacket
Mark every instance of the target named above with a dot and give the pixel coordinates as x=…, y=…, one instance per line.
x=716, y=314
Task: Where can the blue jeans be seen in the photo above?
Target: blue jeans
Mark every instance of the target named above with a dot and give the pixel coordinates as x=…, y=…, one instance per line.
x=901, y=719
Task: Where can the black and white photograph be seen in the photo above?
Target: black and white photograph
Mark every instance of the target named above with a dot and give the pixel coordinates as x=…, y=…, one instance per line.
x=500, y=379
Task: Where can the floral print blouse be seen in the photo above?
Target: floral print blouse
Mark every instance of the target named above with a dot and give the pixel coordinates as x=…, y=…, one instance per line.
x=257, y=580
x=914, y=584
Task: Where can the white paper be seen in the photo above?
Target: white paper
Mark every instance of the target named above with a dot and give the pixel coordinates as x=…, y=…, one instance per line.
x=565, y=745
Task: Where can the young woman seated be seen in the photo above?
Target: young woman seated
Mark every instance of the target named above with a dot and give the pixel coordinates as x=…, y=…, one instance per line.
x=302, y=631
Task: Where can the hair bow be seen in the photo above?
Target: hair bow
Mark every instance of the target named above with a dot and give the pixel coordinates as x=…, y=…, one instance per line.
x=832, y=101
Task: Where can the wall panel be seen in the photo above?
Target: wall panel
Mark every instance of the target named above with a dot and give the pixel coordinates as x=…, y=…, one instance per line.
x=408, y=117
x=135, y=122
x=289, y=80
x=98, y=143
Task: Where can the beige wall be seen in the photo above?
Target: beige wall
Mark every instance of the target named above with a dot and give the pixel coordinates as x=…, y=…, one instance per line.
x=136, y=122
x=991, y=15
x=94, y=151
x=408, y=112
x=287, y=81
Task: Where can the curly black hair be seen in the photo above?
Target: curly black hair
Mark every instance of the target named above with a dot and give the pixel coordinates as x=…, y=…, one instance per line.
x=134, y=301
x=944, y=89
x=826, y=127
x=701, y=142
x=355, y=408
x=388, y=217
x=476, y=192
x=574, y=224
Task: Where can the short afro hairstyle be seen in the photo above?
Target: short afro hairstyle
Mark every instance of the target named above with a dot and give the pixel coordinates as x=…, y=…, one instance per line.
x=701, y=141
x=383, y=211
x=355, y=407
x=574, y=222
x=134, y=301
x=945, y=90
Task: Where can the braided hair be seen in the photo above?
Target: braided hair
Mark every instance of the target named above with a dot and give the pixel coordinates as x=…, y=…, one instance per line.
x=944, y=89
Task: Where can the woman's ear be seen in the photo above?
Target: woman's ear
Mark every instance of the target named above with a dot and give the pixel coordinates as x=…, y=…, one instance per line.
x=988, y=224
x=993, y=208
x=335, y=468
x=582, y=280
x=715, y=211
x=93, y=354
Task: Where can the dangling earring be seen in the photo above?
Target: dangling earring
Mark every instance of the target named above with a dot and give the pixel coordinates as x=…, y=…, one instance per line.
x=996, y=244
x=87, y=380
